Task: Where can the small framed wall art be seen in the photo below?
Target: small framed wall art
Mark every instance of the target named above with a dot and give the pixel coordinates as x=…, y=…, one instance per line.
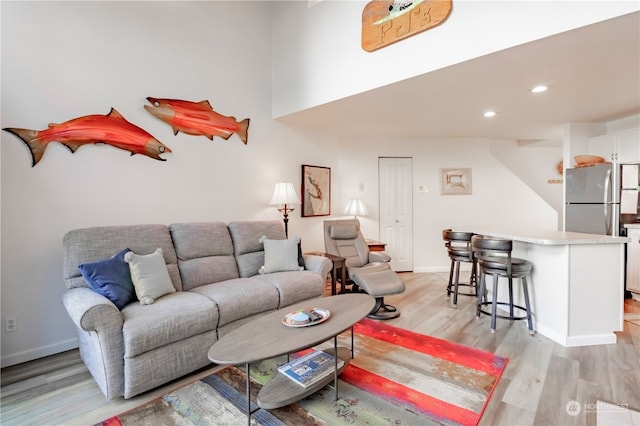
x=455, y=181
x=316, y=191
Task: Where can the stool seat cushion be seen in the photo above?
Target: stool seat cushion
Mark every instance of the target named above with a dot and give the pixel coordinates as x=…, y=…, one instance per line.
x=500, y=264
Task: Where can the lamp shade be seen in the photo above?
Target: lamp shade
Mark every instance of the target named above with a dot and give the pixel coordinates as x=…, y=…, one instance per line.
x=284, y=193
x=356, y=207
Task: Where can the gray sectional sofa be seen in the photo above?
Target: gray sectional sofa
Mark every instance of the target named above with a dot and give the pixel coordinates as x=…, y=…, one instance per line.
x=214, y=268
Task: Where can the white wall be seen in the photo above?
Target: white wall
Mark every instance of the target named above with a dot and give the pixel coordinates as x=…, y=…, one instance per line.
x=499, y=197
x=318, y=56
x=62, y=60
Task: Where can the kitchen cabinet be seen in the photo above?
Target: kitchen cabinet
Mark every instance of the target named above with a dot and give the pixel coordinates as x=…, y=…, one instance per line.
x=621, y=147
x=633, y=260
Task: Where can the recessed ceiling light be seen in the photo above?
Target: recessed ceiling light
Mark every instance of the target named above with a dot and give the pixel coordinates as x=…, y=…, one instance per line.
x=489, y=114
x=539, y=89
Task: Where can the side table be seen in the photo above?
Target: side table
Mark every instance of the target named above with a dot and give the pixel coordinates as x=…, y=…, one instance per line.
x=338, y=264
x=376, y=245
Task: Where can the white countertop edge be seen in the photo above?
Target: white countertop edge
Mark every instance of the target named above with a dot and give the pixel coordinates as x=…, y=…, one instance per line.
x=548, y=237
x=632, y=225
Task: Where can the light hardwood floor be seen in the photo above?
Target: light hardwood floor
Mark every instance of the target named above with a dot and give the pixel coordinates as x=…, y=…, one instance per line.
x=541, y=378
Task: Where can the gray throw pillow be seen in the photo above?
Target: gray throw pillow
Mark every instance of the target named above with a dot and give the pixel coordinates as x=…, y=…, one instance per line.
x=280, y=255
x=149, y=275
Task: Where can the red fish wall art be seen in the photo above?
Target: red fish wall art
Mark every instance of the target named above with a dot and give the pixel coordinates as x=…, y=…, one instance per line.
x=197, y=118
x=112, y=129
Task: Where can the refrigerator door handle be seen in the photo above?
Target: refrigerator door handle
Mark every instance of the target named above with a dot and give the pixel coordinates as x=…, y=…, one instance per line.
x=607, y=187
x=607, y=203
x=607, y=218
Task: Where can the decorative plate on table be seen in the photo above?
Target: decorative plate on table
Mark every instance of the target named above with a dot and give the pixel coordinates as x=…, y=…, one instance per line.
x=306, y=317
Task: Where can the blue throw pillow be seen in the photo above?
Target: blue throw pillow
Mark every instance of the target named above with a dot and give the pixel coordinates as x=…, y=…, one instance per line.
x=111, y=278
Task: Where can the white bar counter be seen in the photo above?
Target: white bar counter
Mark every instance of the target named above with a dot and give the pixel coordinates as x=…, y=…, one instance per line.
x=576, y=285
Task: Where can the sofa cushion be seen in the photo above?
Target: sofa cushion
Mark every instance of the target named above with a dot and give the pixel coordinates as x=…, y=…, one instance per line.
x=240, y=297
x=111, y=278
x=248, y=249
x=171, y=318
x=205, y=253
x=294, y=286
x=91, y=244
x=149, y=275
x=280, y=255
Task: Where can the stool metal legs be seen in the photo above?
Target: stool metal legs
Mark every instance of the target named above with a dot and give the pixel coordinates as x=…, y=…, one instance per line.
x=454, y=281
x=527, y=304
x=482, y=301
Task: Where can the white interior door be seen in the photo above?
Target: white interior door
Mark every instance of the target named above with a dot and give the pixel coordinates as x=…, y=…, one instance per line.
x=396, y=210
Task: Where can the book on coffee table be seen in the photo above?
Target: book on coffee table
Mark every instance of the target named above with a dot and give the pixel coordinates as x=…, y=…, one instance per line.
x=310, y=368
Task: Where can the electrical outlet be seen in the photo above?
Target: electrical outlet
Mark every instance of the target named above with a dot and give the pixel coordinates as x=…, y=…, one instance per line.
x=10, y=323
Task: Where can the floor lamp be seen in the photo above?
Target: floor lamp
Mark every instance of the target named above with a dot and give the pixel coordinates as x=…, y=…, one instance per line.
x=284, y=195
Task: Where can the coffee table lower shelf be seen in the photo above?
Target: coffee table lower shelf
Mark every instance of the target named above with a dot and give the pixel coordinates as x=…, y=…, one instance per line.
x=281, y=391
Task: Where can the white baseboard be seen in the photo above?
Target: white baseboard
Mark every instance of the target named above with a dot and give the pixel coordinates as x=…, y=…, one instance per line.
x=30, y=355
x=590, y=340
x=575, y=341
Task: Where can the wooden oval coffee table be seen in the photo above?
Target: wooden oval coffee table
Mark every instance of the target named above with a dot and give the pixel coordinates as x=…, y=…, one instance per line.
x=267, y=337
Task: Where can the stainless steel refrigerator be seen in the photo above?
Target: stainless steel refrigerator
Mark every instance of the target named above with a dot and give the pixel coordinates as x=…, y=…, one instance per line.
x=592, y=197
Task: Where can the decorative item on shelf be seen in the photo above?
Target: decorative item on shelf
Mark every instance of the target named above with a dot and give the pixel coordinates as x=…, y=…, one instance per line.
x=310, y=368
x=356, y=207
x=284, y=195
x=588, y=160
x=560, y=167
x=316, y=191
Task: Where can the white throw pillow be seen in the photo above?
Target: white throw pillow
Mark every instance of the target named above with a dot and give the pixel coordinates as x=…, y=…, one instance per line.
x=149, y=275
x=280, y=255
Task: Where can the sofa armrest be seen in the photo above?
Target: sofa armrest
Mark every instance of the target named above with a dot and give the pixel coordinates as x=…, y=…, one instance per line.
x=318, y=264
x=91, y=311
x=379, y=256
x=99, y=325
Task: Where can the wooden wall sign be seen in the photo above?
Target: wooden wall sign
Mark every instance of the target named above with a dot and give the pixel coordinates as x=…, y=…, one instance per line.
x=387, y=21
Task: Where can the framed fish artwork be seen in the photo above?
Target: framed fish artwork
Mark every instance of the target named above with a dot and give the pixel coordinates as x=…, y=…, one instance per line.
x=316, y=191
x=387, y=21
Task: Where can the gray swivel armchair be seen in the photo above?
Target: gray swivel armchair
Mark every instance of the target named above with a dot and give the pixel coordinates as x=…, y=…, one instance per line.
x=369, y=271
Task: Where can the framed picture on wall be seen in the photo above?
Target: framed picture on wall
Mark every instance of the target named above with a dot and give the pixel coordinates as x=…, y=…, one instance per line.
x=316, y=191
x=455, y=181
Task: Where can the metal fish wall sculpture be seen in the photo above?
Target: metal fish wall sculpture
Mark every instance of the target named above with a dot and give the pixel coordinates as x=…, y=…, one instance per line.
x=112, y=129
x=197, y=118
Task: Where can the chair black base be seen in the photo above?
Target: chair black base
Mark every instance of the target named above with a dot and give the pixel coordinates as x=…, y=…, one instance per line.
x=383, y=311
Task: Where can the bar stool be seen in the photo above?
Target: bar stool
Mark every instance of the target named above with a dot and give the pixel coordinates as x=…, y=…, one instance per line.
x=458, y=246
x=494, y=258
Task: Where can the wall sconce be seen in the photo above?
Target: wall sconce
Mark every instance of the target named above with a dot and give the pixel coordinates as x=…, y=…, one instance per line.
x=356, y=207
x=284, y=194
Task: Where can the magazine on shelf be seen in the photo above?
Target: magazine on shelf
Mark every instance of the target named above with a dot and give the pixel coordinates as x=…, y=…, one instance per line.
x=310, y=368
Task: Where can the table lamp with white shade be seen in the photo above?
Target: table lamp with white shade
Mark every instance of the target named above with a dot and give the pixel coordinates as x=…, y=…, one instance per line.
x=356, y=207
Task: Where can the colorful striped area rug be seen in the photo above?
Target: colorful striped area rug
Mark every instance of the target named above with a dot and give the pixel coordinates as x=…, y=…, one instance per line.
x=397, y=377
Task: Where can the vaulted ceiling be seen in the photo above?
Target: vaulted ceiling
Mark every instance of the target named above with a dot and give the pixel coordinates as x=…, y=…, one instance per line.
x=593, y=75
